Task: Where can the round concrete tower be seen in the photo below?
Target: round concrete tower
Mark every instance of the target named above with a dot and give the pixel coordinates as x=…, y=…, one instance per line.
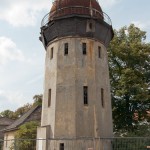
x=76, y=100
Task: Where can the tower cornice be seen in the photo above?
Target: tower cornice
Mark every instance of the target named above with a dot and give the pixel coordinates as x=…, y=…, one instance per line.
x=77, y=25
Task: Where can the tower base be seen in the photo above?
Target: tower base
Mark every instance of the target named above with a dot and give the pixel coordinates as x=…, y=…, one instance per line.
x=71, y=143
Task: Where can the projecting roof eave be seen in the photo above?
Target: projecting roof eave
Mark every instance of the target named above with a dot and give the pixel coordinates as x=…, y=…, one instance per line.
x=9, y=130
x=15, y=125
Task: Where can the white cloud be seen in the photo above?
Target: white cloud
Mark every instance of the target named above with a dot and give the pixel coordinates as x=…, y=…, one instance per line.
x=9, y=51
x=22, y=12
x=141, y=25
x=108, y=3
x=25, y=12
x=35, y=79
x=11, y=99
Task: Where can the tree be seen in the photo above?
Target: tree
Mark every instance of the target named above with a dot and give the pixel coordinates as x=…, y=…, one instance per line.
x=21, y=110
x=129, y=61
x=26, y=135
x=7, y=113
x=38, y=99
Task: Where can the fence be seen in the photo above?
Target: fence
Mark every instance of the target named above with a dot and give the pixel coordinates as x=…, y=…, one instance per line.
x=77, y=144
x=75, y=10
x=130, y=143
x=1, y=144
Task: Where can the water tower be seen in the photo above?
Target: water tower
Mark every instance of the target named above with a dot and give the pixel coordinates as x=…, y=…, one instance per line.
x=76, y=103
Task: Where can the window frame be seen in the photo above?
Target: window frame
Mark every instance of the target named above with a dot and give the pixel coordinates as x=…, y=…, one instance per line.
x=52, y=53
x=49, y=97
x=102, y=98
x=85, y=95
x=84, y=48
x=99, y=52
x=66, y=45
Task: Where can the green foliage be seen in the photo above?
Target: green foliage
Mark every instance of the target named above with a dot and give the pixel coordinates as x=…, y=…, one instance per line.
x=38, y=100
x=7, y=113
x=27, y=130
x=129, y=61
x=21, y=110
x=141, y=131
x=130, y=143
x=14, y=115
x=1, y=144
x=25, y=134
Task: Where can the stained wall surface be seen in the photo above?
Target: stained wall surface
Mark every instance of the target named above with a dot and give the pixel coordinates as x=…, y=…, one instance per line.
x=66, y=75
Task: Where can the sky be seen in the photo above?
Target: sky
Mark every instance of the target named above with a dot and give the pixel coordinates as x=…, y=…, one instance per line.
x=22, y=55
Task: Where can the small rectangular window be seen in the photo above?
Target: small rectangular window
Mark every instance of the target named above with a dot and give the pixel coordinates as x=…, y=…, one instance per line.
x=84, y=48
x=99, y=51
x=102, y=97
x=61, y=146
x=85, y=95
x=66, y=49
x=51, y=53
x=6, y=140
x=49, y=97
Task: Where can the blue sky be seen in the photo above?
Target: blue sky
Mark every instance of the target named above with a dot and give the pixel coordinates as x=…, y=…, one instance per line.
x=22, y=54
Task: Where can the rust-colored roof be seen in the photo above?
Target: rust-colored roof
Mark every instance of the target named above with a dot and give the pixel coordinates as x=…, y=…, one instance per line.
x=69, y=3
x=68, y=7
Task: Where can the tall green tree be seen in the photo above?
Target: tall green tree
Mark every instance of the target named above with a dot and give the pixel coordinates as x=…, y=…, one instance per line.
x=38, y=100
x=21, y=110
x=25, y=136
x=16, y=114
x=129, y=61
x=7, y=113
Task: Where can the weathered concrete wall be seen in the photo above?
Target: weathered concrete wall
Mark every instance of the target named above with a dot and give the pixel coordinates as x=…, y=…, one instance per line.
x=42, y=135
x=66, y=75
x=80, y=144
x=65, y=122
x=48, y=113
